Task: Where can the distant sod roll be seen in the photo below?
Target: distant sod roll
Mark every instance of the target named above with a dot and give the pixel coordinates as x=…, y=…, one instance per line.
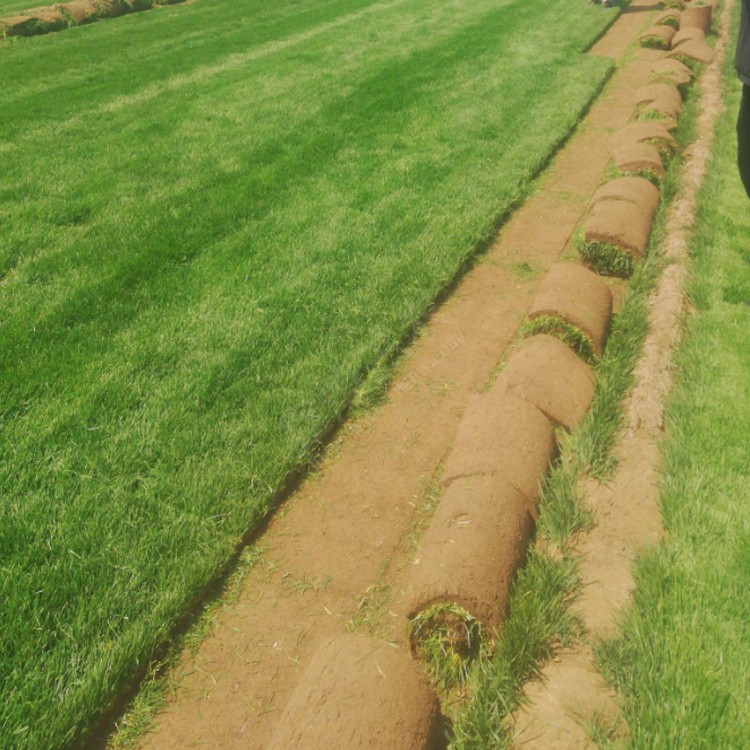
x=615, y=237
x=640, y=159
x=669, y=18
x=672, y=71
x=360, y=694
x=80, y=12
x=112, y=8
x=689, y=34
x=33, y=22
x=502, y=437
x=661, y=91
x=645, y=131
x=575, y=305
x=546, y=373
x=697, y=16
x=657, y=36
x=459, y=586
x=636, y=190
x=694, y=54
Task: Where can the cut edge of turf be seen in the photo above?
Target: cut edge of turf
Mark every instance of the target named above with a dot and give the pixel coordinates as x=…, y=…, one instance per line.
x=571, y=335
x=449, y=639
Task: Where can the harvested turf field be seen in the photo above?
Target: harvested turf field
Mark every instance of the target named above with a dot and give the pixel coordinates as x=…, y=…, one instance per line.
x=214, y=219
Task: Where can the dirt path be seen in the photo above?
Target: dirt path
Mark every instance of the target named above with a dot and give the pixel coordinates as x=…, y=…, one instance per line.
x=336, y=543
x=626, y=510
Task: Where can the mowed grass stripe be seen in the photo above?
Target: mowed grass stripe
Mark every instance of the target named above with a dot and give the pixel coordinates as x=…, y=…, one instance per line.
x=152, y=47
x=195, y=284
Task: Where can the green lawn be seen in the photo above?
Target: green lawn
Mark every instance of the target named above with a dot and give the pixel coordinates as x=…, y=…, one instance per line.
x=7, y=7
x=683, y=661
x=213, y=220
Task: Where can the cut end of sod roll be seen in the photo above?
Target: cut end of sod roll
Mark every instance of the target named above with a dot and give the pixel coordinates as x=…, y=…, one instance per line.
x=569, y=334
x=606, y=259
x=449, y=639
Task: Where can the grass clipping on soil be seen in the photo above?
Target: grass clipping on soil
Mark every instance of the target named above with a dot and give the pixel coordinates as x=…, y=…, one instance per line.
x=450, y=640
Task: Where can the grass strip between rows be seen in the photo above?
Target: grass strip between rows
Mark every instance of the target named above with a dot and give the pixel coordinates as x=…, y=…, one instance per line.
x=540, y=618
x=682, y=659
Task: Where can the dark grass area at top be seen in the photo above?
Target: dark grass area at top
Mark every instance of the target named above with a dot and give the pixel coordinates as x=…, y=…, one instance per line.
x=683, y=659
x=213, y=220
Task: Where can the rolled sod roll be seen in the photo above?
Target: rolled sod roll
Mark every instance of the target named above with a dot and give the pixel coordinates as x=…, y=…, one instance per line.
x=544, y=372
x=571, y=295
x=360, y=694
x=669, y=18
x=698, y=17
x=673, y=71
x=34, y=22
x=645, y=131
x=459, y=585
x=690, y=34
x=662, y=100
x=112, y=8
x=692, y=53
x=79, y=11
x=639, y=159
x=615, y=237
x=504, y=437
x=637, y=190
x=657, y=37
x=660, y=91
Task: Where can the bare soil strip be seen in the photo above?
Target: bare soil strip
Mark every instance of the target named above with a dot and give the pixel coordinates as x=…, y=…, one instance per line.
x=626, y=510
x=338, y=541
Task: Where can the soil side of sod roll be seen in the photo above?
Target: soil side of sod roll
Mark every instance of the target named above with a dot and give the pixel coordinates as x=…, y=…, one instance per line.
x=659, y=92
x=698, y=17
x=466, y=559
x=639, y=159
x=39, y=21
x=645, y=131
x=361, y=694
x=689, y=34
x=693, y=53
x=632, y=189
x=577, y=296
x=504, y=437
x=615, y=237
x=673, y=71
x=80, y=11
x=547, y=374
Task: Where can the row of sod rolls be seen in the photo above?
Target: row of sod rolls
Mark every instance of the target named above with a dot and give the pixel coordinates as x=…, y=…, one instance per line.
x=75, y=13
x=376, y=695
x=459, y=586
x=616, y=231
x=683, y=30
